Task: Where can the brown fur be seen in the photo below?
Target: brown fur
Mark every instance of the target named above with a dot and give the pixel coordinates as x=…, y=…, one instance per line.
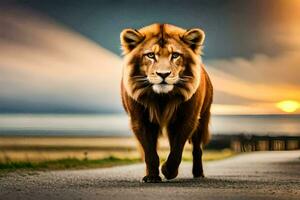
x=182, y=108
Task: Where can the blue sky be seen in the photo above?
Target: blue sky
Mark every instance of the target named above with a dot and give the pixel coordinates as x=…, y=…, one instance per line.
x=234, y=28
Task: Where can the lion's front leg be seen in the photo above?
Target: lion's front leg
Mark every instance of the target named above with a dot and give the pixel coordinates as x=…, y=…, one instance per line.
x=178, y=134
x=147, y=134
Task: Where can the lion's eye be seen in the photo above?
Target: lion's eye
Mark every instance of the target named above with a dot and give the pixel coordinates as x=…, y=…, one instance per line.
x=150, y=55
x=175, y=55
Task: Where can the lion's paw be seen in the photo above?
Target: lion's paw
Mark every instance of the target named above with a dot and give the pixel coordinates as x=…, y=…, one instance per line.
x=169, y=173
x=151, y=179
x=198, y=171
x=200, y=175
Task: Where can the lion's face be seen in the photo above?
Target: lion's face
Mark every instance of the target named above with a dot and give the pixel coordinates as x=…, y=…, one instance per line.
x=162, y=66
x=162, y=59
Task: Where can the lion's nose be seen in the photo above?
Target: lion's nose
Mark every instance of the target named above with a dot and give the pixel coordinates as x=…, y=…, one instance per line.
x=163, y=74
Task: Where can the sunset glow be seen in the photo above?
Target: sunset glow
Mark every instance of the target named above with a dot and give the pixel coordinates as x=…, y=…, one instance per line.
x=288, y=106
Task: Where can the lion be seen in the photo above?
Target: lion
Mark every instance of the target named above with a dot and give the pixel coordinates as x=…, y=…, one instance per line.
x=165, y=89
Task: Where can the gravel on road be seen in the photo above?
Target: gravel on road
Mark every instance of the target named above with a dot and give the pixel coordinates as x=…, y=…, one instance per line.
x=256, y=175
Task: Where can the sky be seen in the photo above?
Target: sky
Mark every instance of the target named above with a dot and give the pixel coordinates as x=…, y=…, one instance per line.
x=64, y=56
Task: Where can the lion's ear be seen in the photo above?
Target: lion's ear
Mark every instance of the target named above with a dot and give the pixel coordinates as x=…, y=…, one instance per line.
x=194, y=38
x=130, y=38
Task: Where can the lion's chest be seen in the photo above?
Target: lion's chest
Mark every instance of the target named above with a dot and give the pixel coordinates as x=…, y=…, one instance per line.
x=162, y=115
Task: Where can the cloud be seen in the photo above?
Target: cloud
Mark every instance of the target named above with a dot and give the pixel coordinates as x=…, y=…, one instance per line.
x=46, y=67
x=262, y=78
x=257, y=83
x=282, y=69
x=43, y=64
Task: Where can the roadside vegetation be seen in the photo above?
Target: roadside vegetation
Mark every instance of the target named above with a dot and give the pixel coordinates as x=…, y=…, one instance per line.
x=67, y=163
x=80, y=153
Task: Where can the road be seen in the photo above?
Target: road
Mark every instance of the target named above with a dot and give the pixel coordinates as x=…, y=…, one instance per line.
x=258, y=175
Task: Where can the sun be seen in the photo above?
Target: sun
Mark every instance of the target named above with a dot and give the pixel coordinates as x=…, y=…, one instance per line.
x=288, y=106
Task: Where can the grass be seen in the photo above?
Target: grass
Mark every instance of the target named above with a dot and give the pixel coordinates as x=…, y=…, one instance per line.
x=211, y=155
x=67, y=163
x=58, y=153
x=76, y=163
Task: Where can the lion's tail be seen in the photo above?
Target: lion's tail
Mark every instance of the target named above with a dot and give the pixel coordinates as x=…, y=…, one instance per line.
x=204, y=124
x=205, y=116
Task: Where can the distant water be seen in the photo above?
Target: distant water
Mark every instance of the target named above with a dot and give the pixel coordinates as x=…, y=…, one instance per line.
x=117, y=124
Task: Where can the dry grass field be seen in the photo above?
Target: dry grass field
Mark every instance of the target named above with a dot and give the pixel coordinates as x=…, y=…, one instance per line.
x=39, y=149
